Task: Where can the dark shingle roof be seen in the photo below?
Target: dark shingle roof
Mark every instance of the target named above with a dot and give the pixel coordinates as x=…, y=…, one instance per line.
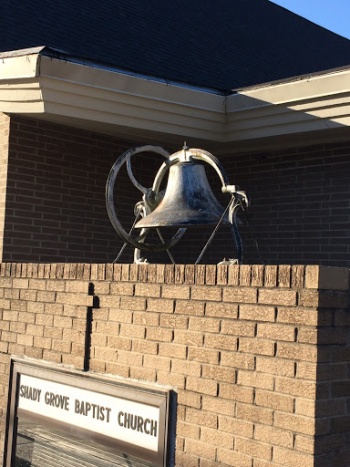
x=223, y=44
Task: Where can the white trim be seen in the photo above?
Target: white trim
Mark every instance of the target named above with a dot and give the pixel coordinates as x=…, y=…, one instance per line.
x=106, y=100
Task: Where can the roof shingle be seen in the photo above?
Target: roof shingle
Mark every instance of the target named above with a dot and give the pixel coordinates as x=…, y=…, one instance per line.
x=221, y=45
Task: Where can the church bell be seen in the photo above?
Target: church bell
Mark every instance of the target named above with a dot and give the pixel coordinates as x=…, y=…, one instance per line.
x=188, y=200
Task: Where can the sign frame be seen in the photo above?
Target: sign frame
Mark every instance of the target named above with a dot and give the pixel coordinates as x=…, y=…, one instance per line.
x=154, y=399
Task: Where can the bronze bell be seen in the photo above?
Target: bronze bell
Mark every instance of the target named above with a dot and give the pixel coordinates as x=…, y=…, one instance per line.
x=188, y=200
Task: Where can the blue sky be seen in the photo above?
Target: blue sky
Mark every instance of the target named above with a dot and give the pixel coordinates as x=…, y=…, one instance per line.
x=331, y=14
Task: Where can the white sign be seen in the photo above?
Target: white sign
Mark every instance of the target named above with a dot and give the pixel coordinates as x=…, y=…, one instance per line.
x=118, y=418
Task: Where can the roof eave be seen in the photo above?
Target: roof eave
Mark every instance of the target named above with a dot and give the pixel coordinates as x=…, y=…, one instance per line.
x=305, y=104
x=117, y=103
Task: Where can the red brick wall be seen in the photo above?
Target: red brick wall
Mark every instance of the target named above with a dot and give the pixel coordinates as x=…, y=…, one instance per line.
x=55, y=206
x=258, y=356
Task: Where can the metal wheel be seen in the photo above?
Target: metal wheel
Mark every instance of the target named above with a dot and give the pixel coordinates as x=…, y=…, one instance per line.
x=142, y=208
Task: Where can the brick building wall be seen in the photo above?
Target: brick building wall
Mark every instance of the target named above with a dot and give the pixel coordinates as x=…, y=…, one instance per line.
x=257, y=355
x=300, y=207
x=55, y=207
x=55, y=177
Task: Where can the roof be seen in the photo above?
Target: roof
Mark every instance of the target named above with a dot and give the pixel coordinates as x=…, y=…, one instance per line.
x=221, y=45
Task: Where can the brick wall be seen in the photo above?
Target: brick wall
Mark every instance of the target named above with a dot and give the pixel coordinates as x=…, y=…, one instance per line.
x=300, y=203
x=55, y=197
x=258, y=356
x=55, y=204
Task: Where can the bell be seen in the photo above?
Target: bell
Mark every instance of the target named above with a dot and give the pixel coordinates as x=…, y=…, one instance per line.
x=188, y=200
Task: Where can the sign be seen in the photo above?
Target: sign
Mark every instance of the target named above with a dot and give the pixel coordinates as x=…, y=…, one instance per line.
x=115, y=417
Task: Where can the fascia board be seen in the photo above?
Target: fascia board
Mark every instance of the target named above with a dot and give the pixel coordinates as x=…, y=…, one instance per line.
x=299, y=89
x=101, y=78
x=78, y=101
x=19, y=67
x=58, y=89
x=310, y=104
x=19, y=88
x=92, y=93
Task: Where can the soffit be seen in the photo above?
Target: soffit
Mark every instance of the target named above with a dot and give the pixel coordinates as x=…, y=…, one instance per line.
x=116, y=103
